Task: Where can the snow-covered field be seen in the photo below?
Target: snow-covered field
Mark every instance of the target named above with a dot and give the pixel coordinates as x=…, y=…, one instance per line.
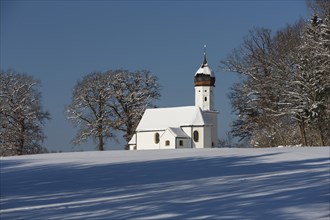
x=281, y=183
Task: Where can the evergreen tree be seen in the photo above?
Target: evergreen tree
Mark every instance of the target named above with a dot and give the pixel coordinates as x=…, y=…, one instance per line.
x=312, y=80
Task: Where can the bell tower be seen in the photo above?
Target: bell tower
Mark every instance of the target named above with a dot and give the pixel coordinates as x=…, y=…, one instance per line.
x=204, y=86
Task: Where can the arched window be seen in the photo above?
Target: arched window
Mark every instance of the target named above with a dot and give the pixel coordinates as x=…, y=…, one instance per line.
x=156, y=138
x=205, y=98
x=167, y=143
x=196, y=136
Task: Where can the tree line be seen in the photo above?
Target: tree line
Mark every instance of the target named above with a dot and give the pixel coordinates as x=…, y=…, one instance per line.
x=102, y=103
x=284, y=95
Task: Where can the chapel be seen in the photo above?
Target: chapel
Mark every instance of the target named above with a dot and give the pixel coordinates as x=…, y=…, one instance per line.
x=182, y=127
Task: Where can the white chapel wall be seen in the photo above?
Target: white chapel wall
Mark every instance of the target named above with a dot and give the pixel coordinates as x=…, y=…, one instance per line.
x=168, y=137
x=186, y=143
x=146, y=140
x=207, y=136
x=212, y=119
x=200, y=142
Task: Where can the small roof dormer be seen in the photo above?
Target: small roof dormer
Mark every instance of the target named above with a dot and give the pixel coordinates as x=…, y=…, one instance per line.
x=204, y=76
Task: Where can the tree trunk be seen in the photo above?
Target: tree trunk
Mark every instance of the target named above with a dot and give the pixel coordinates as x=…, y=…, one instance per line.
x=100, y=137
x=101, y=143
x=130, y=130
x=302, y=131
x=21, y=140
x=321, y=136
x=100, y=128
x=20, y=147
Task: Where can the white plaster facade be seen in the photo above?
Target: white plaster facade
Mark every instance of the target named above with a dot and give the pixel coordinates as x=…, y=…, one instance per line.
x=182, y=127
x=204, y=97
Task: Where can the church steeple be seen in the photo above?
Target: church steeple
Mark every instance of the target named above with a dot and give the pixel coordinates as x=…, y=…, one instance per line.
x=204, y=75
x=204, y=81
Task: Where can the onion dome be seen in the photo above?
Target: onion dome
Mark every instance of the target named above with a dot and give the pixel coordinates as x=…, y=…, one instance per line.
x=204, y=75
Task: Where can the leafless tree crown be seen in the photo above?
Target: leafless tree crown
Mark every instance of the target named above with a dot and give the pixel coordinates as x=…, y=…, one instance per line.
x=21, y=114
x=109, y=101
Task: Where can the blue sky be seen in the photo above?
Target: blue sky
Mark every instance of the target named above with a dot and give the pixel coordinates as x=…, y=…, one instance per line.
x=59, y=42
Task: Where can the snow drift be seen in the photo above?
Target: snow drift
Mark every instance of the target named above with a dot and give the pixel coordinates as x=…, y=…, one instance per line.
x=282, y=183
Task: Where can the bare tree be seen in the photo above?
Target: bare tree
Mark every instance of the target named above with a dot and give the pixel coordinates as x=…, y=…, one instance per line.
x=133, y=92
x=114, y=100
x=88, y=110
x=21, y=114
x=265, y=63
x=256, y=96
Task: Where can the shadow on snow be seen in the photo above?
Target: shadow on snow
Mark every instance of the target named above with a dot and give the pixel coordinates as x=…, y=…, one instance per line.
x=236, y=187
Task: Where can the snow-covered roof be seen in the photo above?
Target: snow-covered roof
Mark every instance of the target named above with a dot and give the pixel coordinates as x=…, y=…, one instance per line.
x=206, y=70
x=177, y=132
x=163, y=118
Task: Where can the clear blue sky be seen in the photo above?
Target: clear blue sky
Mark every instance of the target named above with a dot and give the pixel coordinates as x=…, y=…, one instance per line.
x=59, y=42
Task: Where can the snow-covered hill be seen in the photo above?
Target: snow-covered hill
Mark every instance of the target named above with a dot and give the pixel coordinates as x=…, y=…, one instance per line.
x=282, y=183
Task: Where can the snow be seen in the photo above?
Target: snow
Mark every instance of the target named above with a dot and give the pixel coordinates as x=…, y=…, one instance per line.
x=205, y=70
x=272, y=183
x=162, y=118
x=177, y=132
